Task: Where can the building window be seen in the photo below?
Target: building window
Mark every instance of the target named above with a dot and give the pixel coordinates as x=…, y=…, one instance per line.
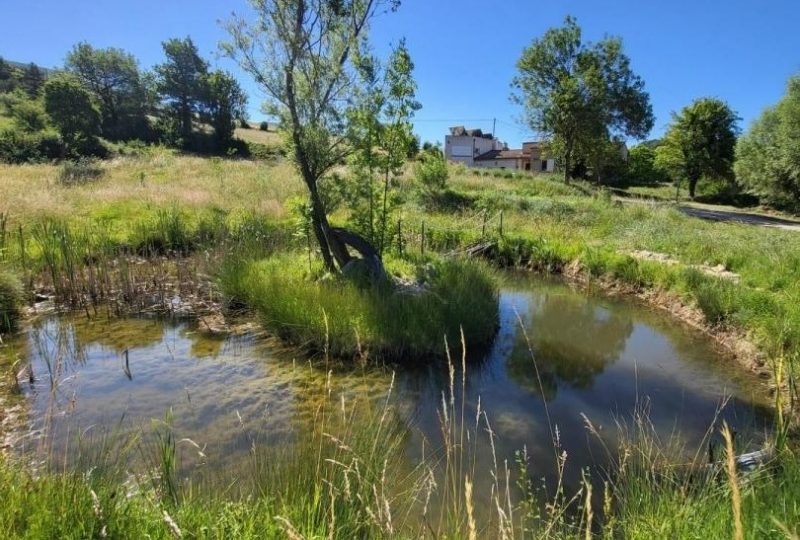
x=527, y=166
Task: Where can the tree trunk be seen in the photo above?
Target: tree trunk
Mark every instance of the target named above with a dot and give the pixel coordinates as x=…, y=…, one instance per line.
x=383, y=218
x=329, y=245
x=568, y=162
x=692, y=187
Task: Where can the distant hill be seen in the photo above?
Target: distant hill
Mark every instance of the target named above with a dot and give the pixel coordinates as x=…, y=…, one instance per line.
x=22, y=65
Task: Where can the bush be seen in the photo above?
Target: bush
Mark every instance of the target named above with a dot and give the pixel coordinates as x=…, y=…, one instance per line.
x=768, y=155
x=431, y=171
x=71, y=109
x=244, y=124
x=19, y=147
x=10, y=301
x=392, y=323
x=79, y=172
x=263, y=126
x=254, y=150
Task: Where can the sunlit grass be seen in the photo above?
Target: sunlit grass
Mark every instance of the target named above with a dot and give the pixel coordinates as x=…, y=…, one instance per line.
x=10, y=300
x=345, y=318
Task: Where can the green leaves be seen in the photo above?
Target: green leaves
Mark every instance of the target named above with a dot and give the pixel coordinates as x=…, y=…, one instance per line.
x=700, y=143
x=71, y=108
x=768, y=155
x=580, y=95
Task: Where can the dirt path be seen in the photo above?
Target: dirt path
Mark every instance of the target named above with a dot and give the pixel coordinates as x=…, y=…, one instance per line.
x=727, y=214
x=712, y=213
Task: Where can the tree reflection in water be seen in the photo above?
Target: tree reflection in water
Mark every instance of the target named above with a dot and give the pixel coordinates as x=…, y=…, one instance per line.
x=571, y=337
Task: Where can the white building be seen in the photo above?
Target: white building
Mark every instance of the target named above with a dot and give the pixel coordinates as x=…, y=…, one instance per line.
x=464, y=145
x=474, y=148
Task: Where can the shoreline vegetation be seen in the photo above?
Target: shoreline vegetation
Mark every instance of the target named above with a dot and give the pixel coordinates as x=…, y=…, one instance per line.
x=130, y=192
x=397, y=320
x=186, y=220
x=82, y=253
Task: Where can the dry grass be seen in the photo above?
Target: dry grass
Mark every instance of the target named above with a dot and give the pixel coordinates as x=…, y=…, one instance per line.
x=255, y=135
x=157, y=178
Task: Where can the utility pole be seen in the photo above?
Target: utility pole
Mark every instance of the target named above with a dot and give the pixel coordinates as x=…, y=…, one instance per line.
x=494, y=125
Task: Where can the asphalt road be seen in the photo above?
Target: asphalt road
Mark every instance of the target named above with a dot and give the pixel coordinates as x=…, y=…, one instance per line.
x=740, y=217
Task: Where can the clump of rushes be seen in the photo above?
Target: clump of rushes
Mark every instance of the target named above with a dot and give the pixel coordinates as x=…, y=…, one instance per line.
x=343, y=317
x=10, y=300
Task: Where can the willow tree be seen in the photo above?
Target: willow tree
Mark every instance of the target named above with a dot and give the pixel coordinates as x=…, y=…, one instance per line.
x=304, y=55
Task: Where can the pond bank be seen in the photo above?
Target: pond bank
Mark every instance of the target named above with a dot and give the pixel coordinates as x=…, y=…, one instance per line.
x=625, y=276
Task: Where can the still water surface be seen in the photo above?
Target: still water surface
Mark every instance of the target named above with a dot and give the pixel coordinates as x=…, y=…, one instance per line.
x=597, y=358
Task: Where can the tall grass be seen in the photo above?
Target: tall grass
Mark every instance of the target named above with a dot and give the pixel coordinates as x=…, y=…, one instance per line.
x=662, y=500
x=345, y=477
x=10, y=301
x=347, y=318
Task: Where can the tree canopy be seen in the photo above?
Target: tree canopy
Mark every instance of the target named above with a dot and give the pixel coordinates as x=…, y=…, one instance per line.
x=768, y=155
x=580, y=95
x=306, y=56
x=71, y=109
x=31, y=80
x=700, y=143
x=181, y=82
x=225, y=102
x=113, y=76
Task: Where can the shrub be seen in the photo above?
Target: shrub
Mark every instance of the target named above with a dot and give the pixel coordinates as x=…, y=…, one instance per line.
x=71, y=109
x=244, y=124
x=10, y=300
x=19, y=147
x=261, y=151
x=392, y=323
x=263, y=126
x=29, y=116
x=79, y=172
x=431, y=171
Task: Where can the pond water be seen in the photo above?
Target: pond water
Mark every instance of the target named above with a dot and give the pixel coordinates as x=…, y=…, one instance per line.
x=596, y=358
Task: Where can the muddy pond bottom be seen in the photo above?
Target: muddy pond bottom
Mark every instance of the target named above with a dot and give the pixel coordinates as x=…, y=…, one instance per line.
x=561, y=358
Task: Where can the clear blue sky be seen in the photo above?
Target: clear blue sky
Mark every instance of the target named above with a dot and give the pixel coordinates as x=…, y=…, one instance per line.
x=742, y=51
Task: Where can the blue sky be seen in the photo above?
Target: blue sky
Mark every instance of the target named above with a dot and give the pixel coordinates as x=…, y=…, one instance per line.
x=742, y=51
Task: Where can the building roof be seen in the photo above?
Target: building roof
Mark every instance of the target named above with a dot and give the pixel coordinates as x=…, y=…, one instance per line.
x=492, y=155
x=461, y=131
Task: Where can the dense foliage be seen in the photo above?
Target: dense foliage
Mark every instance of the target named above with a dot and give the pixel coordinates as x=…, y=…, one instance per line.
x=700, y=143
x=768, y=155
x=72, y=111
x=581, y=95
x=113, y=77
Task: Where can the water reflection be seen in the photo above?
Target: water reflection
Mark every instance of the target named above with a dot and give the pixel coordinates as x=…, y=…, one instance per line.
x=597, y=359
x=572, y=339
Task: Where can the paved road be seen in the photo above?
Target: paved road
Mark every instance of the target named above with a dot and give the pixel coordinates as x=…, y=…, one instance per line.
x=713, y=214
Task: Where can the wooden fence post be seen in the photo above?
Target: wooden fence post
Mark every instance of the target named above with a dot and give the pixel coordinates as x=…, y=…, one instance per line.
x=501, y=224
x=422, y=240
x=399, y=236
x=483, y=227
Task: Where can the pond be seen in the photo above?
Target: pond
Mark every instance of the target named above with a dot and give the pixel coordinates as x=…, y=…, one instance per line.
x=561, y=357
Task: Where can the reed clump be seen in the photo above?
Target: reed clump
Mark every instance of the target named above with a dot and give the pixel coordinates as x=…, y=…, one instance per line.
x=10, y=300
x=345, y=317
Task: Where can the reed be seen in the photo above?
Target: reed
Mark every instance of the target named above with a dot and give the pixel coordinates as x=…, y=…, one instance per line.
x=11, y=296
x=390, y=322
